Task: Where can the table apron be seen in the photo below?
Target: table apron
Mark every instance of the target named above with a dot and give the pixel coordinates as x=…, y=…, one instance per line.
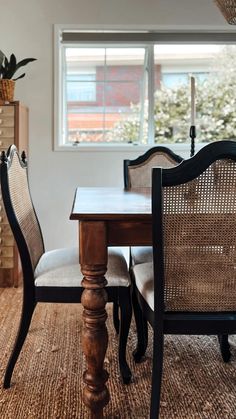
x=127, y=233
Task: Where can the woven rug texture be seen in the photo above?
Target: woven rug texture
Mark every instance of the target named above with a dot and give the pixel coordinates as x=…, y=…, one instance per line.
x=47, y=380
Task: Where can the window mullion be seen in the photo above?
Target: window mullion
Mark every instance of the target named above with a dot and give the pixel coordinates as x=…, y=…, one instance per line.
x=142, y=97
x=151, y=91
x=64, y=95
x=104, y=95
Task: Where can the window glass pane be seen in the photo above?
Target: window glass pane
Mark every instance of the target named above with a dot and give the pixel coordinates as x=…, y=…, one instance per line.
x=172, y=80
x=215, y=115
x=86, y=126
x=87, y=61
x=121, y=102
x=86, y=120
x=104, y=88
x=124, y=64
x=121, y=94
x=122, y=128
x=81, y=91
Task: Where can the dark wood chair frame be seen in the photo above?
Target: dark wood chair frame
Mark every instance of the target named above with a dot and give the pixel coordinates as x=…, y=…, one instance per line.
x=198, y=323
x=121, y=296
x=140, y=321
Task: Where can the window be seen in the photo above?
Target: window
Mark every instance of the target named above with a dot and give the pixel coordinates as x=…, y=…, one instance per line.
x=81, y=87
x=124, y=88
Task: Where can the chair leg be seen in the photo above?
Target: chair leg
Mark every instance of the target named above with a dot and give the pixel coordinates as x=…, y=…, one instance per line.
x=157, y=367
x=142, y=330
x=224, y=347
x=116, y=320
x=125, y=320
x=26, y=316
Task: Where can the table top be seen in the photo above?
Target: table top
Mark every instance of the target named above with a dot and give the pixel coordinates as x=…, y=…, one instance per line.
x=111, y=203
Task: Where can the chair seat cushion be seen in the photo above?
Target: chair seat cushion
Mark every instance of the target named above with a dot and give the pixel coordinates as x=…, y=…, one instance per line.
x=143, y=274
x=141, y=254
x=60, y=268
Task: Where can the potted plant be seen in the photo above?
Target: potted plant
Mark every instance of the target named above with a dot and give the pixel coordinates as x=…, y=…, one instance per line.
x=8, y=68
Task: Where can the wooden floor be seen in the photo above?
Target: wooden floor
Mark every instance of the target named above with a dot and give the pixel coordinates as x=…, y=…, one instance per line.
x=47, y=379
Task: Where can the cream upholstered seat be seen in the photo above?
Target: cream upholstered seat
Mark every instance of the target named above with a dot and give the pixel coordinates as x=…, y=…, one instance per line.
x=54, y=276
x=141, y=254
x=60, y=268
x=144, y=281
x=138, y=174
x=190, y=288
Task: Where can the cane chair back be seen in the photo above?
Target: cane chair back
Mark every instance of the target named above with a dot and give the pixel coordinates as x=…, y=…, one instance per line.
x=138, y=172
x=20, y=211
x=200, y=241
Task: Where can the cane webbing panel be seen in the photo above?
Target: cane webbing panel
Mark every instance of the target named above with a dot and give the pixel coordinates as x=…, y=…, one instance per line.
x=228, y=9
x=140, y=176
x=23, y=209
x=200, y=241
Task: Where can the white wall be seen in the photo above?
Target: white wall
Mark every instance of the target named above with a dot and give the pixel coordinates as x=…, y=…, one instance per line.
x=26, y=28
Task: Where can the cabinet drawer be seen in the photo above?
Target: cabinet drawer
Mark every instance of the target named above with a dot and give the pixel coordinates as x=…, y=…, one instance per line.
x=6, y=111
x=5, y=143
x=5, y=229
x=3, y=215
x=3, y=218
x=6, y=132
x=6, y=251
x=6, y=121
x=6, y=262
x=6, y=240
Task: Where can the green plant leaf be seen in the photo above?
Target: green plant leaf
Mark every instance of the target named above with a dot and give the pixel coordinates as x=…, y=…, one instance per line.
x=2, y=57
x=6, y=62
x=20, y=77
x=11, y=67
x=13, y=60
x=24, y=62
x=3, y=69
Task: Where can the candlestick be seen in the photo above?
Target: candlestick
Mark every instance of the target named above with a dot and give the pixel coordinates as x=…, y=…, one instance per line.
x=193, y=106
x=192, y=132
x=192, y=135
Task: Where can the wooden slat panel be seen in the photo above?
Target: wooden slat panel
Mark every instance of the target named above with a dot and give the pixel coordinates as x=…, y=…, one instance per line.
x=13, y=130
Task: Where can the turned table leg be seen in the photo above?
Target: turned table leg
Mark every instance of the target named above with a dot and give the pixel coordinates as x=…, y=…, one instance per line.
x=93, y=260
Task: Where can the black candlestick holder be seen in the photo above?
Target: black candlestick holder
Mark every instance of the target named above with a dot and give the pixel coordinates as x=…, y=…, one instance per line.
x=192, y=135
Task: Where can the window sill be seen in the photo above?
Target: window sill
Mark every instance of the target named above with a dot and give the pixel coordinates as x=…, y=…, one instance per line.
x=177, y=148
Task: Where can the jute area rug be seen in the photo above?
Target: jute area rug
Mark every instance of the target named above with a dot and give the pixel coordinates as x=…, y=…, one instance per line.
x=47, y=380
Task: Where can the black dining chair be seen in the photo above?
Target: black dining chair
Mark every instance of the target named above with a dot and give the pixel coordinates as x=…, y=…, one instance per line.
x=53, y=276
x=138, y=174
x=190, y=287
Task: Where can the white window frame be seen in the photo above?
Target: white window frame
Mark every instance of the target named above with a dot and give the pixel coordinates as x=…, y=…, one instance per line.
x=163, y=37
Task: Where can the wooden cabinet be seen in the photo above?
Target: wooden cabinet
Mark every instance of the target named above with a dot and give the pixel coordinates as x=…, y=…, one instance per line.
x=13, y=130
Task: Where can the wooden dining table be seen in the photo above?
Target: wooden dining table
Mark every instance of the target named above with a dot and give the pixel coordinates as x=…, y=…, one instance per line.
x=107, y=217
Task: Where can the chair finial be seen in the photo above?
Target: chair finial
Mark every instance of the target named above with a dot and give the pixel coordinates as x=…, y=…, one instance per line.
x=3, y=157
x=23, y=156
